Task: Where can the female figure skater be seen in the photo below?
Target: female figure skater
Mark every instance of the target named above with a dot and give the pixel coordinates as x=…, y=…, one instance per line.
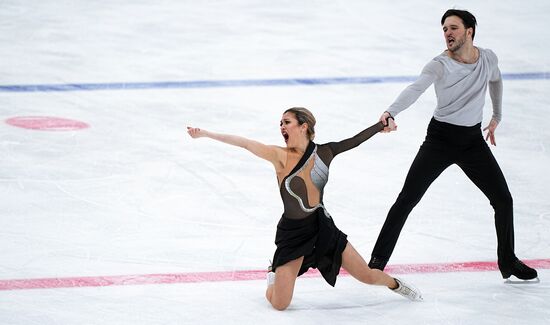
x=306, y=234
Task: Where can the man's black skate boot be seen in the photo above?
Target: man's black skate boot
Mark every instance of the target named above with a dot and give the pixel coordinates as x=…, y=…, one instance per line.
x=377, y=263
x=519, y=270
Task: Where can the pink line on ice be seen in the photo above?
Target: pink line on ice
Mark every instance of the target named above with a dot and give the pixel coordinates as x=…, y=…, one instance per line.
x=245, y=275
x=46, y=123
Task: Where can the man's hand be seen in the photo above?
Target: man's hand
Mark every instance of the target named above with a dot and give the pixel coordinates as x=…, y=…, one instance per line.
x=491, y=131
x=389, y=123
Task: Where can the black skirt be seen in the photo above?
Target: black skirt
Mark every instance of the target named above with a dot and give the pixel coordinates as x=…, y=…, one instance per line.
x=316, y=238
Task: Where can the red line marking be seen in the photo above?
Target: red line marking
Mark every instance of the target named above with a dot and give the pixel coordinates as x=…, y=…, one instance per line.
x=119, y=280
x=46, y=123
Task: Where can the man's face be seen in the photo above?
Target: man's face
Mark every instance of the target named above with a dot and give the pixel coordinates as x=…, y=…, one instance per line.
x=455, y=33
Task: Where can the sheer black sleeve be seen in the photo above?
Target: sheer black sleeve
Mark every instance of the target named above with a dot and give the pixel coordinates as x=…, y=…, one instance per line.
x=347, y=144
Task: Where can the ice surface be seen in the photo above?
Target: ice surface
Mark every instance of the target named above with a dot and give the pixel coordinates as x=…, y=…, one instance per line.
x=134, y=195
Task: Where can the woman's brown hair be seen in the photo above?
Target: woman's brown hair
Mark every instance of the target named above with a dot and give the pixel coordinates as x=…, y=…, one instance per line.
x=303, y=115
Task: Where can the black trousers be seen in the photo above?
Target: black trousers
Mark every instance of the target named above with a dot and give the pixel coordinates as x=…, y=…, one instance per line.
x=448, y=144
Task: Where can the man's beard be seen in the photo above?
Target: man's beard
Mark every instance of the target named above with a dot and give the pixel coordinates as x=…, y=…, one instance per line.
x=458, y=44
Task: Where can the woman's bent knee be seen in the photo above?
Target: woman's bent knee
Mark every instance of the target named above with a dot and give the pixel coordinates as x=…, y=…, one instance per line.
x=280, y=305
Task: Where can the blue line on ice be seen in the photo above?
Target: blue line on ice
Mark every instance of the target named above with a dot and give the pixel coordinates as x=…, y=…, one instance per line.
x=238, y=83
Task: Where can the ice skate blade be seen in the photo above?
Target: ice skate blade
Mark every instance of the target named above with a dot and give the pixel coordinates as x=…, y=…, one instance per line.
x=515, y=280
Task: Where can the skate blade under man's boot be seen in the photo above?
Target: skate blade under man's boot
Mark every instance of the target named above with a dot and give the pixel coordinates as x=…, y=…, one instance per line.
x=522, y=272
x=407, y=291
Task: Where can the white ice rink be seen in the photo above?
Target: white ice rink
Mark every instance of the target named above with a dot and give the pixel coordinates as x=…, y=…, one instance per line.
x=124, y=219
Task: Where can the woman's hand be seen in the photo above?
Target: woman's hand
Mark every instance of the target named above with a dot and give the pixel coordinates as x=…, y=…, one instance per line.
x=196, y=132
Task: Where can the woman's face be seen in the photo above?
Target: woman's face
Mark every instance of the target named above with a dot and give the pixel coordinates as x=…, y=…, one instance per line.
x=291, y=130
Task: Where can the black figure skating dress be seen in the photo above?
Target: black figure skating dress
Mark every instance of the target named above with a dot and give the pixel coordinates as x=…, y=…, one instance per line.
x=306, y=228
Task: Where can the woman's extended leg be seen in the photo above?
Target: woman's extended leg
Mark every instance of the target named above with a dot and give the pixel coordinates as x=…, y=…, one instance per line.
x=280, y=293
x=358, y=268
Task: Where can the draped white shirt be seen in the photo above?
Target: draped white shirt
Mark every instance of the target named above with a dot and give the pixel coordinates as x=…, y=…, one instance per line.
x=460, y=89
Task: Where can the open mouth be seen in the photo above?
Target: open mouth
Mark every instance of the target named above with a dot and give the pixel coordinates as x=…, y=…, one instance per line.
x=450, y=41
x=285, y=135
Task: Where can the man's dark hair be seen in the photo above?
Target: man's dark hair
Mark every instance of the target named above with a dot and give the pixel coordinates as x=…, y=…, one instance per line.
x=468, y=19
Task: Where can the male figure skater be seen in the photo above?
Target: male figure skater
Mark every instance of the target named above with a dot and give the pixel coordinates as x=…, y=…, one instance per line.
x=460, y=76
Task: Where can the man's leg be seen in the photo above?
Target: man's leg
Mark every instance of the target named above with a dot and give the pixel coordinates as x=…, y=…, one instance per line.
x=482, y=169
x=430, y=161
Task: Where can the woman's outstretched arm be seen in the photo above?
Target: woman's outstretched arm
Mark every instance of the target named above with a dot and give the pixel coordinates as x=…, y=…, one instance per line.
x=350, y=143
x=267, y=152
